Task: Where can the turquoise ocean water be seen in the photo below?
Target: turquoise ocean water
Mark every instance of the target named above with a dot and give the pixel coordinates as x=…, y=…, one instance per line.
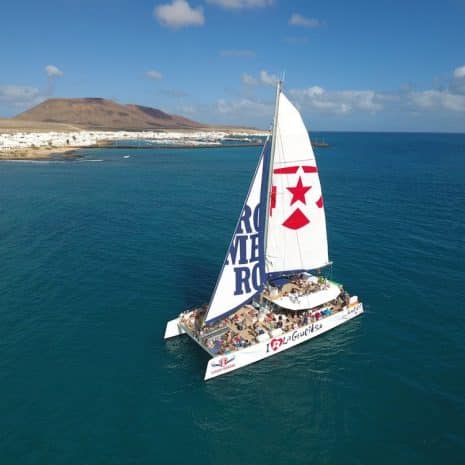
x=95, y=257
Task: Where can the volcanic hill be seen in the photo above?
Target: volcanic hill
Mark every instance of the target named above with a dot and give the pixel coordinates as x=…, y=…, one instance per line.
x=103, y=114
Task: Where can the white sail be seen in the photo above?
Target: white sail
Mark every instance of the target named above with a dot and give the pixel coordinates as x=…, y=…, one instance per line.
x=243, y=273
x=296, y=236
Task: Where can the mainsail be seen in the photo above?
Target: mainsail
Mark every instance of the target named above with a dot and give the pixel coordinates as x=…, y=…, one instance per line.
x=243, y=273
x=296, y=235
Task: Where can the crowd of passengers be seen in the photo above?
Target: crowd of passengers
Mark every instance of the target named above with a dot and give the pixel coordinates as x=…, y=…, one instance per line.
x=227, y=335
x=303, y=286
x=307, y=286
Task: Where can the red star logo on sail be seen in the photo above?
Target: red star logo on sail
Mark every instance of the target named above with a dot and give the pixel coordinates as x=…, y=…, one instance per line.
x=298, y=192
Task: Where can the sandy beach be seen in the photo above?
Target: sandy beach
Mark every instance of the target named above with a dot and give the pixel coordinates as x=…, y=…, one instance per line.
x=38, y=153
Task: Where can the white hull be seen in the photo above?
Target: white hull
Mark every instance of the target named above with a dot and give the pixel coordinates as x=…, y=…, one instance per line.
x=226, y=363
x=173, y=329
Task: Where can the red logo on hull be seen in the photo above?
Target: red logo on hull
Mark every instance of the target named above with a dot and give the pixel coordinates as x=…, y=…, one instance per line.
x=276, y=343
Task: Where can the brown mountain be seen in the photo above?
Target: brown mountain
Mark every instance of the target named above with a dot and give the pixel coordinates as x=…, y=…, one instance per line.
x=102, y=114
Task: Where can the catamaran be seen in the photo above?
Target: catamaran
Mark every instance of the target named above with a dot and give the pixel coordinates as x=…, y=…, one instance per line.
x=272, y=292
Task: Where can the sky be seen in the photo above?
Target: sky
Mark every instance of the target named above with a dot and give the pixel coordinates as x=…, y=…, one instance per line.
x=363, y=65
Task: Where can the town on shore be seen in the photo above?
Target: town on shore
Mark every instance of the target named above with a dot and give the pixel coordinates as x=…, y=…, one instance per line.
x=34, y=145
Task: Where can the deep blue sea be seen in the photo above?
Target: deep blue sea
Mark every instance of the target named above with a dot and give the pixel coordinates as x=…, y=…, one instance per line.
x=96, y=256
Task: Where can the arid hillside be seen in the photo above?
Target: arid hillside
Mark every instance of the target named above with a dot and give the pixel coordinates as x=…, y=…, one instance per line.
x=102, y=114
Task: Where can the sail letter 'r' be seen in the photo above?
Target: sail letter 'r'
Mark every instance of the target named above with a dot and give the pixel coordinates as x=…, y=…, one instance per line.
x=244, y=220
x=244, y=245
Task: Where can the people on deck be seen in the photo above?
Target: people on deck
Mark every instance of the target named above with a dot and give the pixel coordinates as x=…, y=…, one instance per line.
x=233, y=333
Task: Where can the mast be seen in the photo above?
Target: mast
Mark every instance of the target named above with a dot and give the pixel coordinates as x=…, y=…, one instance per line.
x=270, y=167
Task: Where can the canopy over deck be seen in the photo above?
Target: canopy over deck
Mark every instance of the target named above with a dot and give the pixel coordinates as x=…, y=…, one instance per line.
x=303, y=301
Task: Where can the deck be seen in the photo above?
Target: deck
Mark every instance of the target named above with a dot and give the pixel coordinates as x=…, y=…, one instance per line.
x=253, y=324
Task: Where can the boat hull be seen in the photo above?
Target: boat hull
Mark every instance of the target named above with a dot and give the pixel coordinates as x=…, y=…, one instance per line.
x=173, y=329
x=227, y=363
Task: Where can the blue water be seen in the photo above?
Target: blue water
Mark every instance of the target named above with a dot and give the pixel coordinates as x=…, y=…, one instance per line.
x=95, y=257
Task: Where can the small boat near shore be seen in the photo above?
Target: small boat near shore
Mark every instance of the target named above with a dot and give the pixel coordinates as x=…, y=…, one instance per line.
x=272, y=292
x=319, y=143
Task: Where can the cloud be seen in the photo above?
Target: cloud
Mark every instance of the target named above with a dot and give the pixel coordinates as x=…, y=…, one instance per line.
x=348, y=109
x=236, y=109
x=437, y=99
x=450, y=98
x=179, y=14
x=457, y=85
x=337, y=102
x=241, y=4
x=237, y=53
x=459, y=72
x=406, y=100
x=15, y=97
x=53, y=72
x=268, y=79
x=18, y=95
x=298, y=20
x=154, y=75
x=264, y=78
x=248, y=80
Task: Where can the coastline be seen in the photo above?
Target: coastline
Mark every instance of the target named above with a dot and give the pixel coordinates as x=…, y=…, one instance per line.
x=66, y=153
x=39, y=153
x=35, y=145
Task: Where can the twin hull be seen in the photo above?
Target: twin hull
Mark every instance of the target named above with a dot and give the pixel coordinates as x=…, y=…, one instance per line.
x=226, y=363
